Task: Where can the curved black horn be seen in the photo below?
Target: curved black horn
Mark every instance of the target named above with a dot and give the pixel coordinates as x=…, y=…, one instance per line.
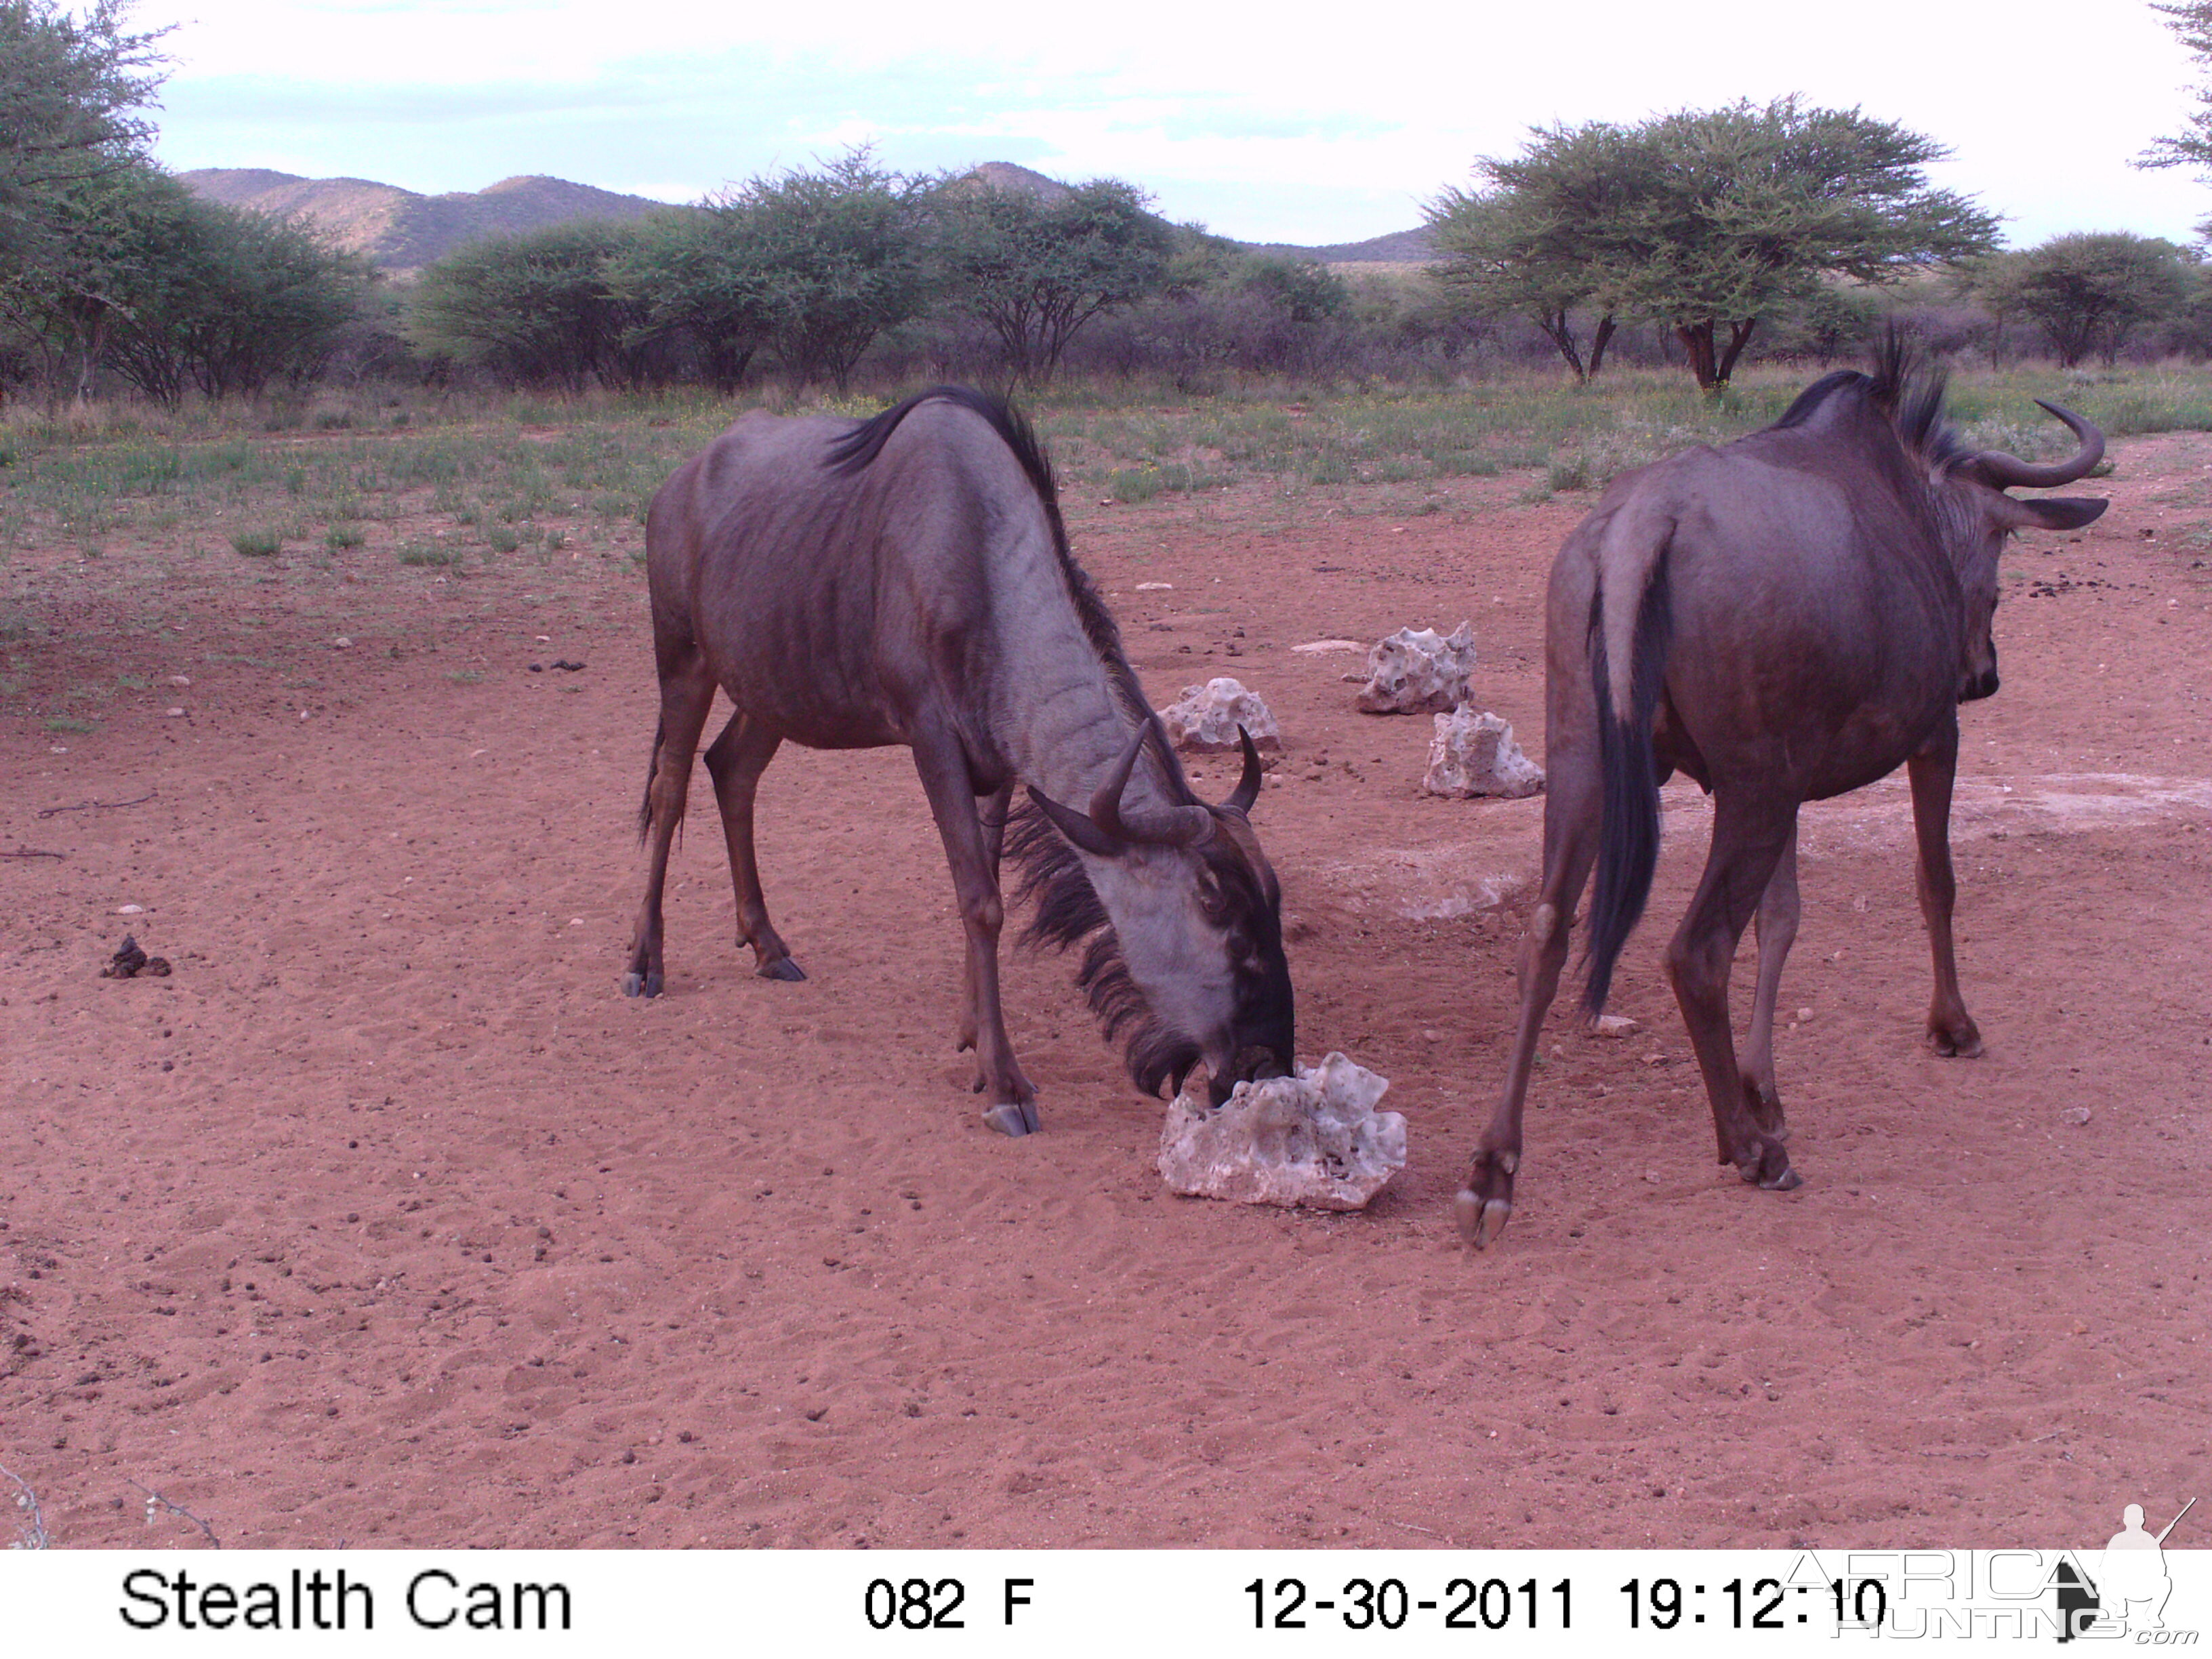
x=1247, y=786
x=1994, y=467
x=1079, y=829
x=1179, y=826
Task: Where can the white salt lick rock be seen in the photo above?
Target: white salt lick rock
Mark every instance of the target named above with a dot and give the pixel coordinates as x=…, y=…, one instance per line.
x=1205, y=721
x=1314, y=1140
x=1418, y=673
x=1473, y=754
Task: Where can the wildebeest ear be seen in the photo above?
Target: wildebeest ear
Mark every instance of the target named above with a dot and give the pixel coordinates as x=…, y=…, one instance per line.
x=2058, y=512
x=1080, y=829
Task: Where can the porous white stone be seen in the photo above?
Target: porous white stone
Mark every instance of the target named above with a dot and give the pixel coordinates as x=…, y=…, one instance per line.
x=1205, y=721
x=1418, y=673
x=1616, y=1025
x=1473, y=754
x=1314, y=1138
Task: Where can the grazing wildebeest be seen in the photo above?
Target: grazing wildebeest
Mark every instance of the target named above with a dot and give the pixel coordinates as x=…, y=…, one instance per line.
x=1782, y=619
x=907, y=579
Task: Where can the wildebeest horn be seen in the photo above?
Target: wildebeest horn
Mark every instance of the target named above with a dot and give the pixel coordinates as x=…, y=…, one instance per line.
x=1247, y=786
x=2003, y=471
x=1178, y=826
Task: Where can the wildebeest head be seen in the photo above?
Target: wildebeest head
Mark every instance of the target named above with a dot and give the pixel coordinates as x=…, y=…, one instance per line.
x=1978, y=515
x=1183, y=914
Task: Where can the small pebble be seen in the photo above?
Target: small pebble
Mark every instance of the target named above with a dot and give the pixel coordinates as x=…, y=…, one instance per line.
x=180, y=679
x=342, y=641
x=175, y=714
x=130, y=909
x=1804, y=1014
x=2075, y=1115
x=1616, y=1025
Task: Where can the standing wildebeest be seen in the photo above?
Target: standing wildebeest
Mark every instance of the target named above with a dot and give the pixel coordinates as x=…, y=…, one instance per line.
x=907, y=579
x=1782, y=619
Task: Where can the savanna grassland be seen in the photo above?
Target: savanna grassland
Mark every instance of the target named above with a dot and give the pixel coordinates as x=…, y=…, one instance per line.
x=385, y=1219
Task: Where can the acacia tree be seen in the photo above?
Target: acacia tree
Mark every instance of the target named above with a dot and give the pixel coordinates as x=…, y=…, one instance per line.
x=536, y=309
x=842, y=248
x=1543, y=241
x=2191, y=23
x=2093, y=291
x=1034, y=270
x=71, y=86
x=703, y=276
x=1706, y=220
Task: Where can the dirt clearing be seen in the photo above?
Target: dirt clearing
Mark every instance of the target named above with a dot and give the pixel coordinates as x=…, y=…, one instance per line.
x=385, y=1219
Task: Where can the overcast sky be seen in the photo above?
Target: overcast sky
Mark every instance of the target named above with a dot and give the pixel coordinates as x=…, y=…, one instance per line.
x=1283, y=123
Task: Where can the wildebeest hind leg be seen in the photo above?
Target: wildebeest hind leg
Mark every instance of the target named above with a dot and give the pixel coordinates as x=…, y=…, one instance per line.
x=1748, y=841
x=937, y=756
x=1775, y=924
x=1570, y=833
x=687, y=693
x=735, y=761
x=1951, y=1029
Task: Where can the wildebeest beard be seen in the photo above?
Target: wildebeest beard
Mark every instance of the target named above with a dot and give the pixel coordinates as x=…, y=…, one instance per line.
x=1069, y=913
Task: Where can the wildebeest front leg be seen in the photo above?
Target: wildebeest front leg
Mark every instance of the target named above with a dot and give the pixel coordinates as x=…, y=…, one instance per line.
x=944, y=768
x=1951, y=1030
x=1748, y=841
x=992, y=810
x=687, y=693
x=735, y=761
x=1776, y=925
x=1571, y=830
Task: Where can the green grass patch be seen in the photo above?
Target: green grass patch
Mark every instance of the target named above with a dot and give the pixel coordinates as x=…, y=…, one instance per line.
x=429, y=554
x=340, y=537
x=70, y=723
x=258, y=544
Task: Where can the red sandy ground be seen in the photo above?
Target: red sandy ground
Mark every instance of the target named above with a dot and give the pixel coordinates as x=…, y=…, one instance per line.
x=387, y=1221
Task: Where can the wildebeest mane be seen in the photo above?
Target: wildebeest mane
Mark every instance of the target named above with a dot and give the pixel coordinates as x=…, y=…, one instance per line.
x=852, y=453
x=1069, y=913
x=1905, y=386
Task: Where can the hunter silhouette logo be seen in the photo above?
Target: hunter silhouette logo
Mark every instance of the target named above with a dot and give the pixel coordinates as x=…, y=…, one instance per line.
x=2131, y=1585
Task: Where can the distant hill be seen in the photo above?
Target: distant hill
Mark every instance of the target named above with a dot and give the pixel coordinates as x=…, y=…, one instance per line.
x=1398, y=247
x=402, y=231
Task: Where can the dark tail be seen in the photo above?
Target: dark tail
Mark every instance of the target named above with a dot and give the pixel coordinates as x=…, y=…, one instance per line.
x=1628, y=836
x=651, y=770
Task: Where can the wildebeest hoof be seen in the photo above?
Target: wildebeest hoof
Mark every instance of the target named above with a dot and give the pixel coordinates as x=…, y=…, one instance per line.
x=1769, y=1169
x=1485, y=1203
x=1014, y=1119
x=782, y=967
x=1961, y=1041
x=641, y=985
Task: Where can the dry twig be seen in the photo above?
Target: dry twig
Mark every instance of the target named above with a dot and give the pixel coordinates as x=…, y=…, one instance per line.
x=35, y=1536
x=98, y=806
x=156, y=1504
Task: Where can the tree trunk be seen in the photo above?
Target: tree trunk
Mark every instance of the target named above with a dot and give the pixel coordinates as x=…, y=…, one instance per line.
x=1561, y=333
x=1602, y=338
x=1696, y=340
x=1739, y=335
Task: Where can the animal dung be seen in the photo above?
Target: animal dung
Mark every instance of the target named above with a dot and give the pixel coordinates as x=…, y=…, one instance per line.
x=1473, y=754
x=1418, y=673
x=130, y=961
x=1205, y=721
x=1312, y=1139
